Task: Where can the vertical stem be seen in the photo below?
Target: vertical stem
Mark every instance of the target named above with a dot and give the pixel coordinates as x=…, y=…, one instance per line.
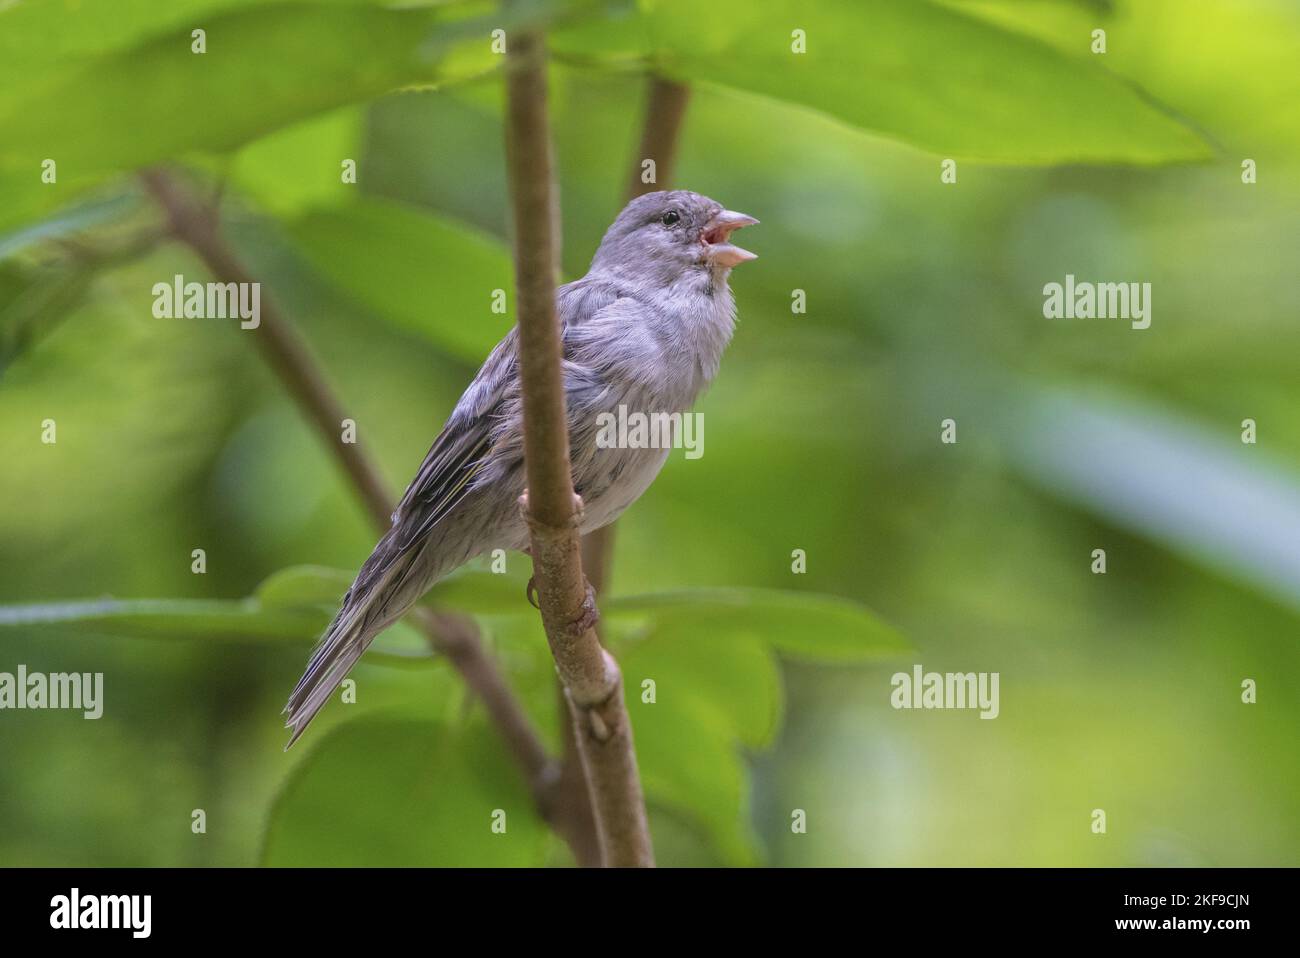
x=592, y=682
x=665, y=110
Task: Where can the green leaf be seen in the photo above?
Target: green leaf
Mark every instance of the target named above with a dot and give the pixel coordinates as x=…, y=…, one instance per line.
x=304, y=585
x=32, y=302
x=426, y=275
x=721, y=693
x=265, y=67
x=798, y=624
x=699, y=775
x=735, y=681
x=301, y=166
x=73, y=81
x=41, y=39
x=171, y=618
x=710, y=656
x=718, y=693
x=294, y=604
x=480, y=592
x=70, y=221
x=404, y=792
x=925, y=74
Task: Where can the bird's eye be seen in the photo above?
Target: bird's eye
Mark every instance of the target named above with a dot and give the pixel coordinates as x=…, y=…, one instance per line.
x=670, y=218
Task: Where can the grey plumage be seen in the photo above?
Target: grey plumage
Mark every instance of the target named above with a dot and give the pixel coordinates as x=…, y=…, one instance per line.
x=645, y=328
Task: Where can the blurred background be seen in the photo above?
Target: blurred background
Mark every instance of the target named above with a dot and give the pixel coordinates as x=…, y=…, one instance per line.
x=924, y=299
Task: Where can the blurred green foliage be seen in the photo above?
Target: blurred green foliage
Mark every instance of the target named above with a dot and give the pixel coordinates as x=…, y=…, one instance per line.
x=924, y=302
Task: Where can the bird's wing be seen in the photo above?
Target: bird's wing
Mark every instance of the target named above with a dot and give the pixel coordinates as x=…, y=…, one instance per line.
x=384, y=588
x=445, y=476
x=459, y=452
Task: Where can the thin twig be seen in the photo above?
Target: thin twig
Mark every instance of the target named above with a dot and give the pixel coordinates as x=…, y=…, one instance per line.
x=591, y=677
x=666, y=102
x=197, y=226
x=665, y=109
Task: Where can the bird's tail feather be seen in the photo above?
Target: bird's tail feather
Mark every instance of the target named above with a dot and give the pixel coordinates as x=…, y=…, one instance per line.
x=366, y=612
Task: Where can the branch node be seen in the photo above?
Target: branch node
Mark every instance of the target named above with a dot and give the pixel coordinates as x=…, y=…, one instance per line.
x=599, y=730
x=586, y=619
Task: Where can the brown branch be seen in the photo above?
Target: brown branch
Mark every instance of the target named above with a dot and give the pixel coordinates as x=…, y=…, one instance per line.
x=591, y=677
x=665, y=109
x=197, y=226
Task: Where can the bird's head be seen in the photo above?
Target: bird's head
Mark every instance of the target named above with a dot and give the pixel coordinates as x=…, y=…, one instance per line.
x=666, y=233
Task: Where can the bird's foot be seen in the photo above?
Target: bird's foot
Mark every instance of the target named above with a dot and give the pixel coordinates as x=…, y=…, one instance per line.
x=587, y=618
x=578, y=507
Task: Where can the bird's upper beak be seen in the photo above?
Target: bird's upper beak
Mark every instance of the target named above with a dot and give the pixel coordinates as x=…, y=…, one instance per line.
x=716, y=238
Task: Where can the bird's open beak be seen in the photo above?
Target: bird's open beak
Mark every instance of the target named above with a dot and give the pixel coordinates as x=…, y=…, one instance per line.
x=716, y=238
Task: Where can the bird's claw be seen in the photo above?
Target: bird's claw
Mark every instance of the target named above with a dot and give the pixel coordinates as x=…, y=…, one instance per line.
x=587, y=618
x=578, y=507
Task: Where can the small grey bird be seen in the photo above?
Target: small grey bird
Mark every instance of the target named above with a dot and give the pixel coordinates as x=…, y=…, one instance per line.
x=644, y=329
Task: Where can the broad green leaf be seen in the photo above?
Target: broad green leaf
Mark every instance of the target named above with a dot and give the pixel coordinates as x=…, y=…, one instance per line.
x=304, y=585
x=404, y=792
x=480, y=592
x=431, y=277
x=721, y=694
x=301, y=166
x=467, y=589
x=266, y=66
x=798, y=624
x=32, y=301
x=700, y=775
x=69, y=221
x=170, y=618
x=929, y=75
x=323, y=588
x=292, y=605
x=41, y=39
x=713, y=695
x=734, y=681
x=75, y=83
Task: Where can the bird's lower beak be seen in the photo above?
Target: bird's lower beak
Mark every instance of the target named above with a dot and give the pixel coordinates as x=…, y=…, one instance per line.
x=717, y=246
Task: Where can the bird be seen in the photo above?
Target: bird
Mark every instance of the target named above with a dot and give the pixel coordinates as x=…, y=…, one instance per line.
x=644, y=329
